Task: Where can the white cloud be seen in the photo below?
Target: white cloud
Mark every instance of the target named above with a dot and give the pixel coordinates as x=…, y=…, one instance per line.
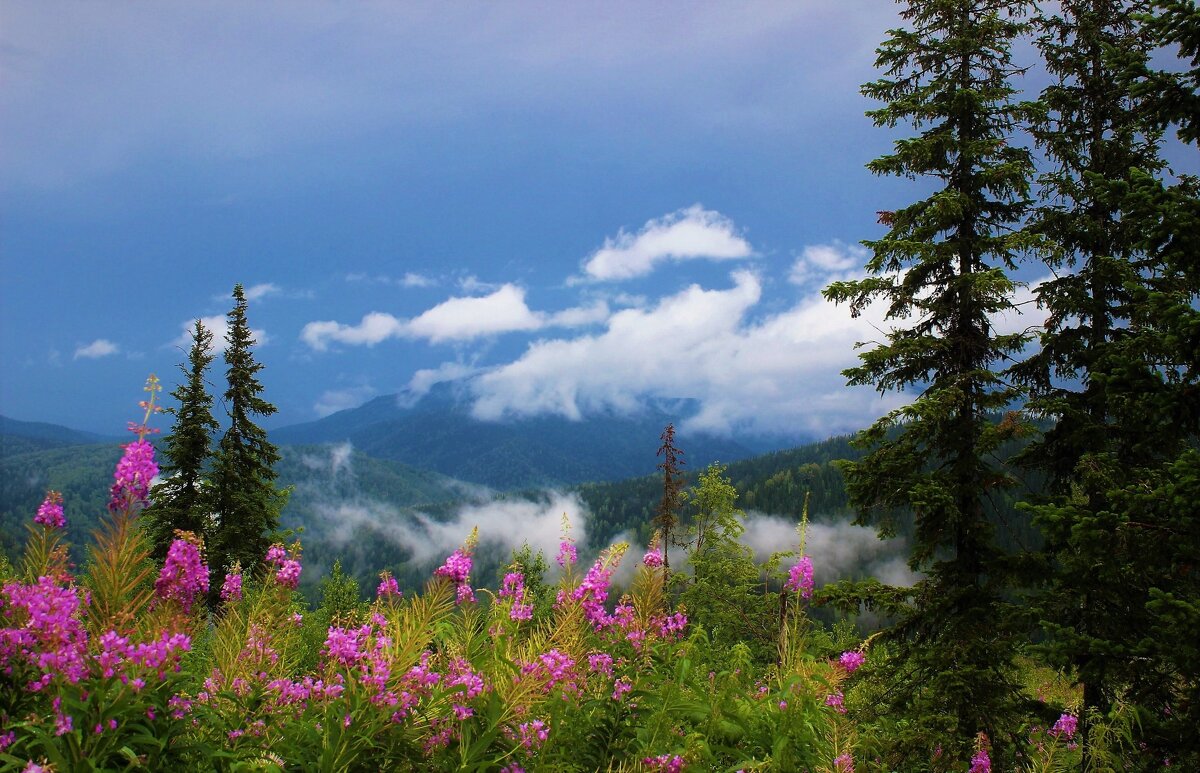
x=460, y=319
x=412, y=279
x=335, y=400
x=425, y=379
x=824, y=263
x=373, y=329
x=337, y=460
x=779, y=373
x=101, y=347
x=218, y=325
x=688, y=234
x=260, y=291
x=457, y=319
x=505, y=524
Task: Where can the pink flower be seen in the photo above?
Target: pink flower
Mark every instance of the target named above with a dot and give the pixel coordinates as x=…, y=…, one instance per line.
x=514, y=587
x=664, y=763
x=567, y=554
x=843, y=763
x=50, y=514
x=653, y=559
x=834, y=701
x=981, y=762
x=1065, y=726
x=231, y=589
x=851, y=661
x=184, y=575
x=276, y=554
x=457, y=569
x=800, y=578
x=388, y=587
x=133, y=475
x=289, y=573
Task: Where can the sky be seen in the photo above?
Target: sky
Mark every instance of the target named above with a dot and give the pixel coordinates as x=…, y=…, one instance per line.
x=566, y=208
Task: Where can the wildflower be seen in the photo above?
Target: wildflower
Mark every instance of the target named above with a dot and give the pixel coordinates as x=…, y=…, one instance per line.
x=835, y=701
x=388, y=587
x=843, y=763
x=514, y=587
x=800, y=578
x=981, y=762
x=457, y=569
x=654, y=556
x=133, y=475
x=620, y=687
x=50, y=513
x=851, y=661
x=231, y=589
x=1065, y=726
x=276, y=554
x=601, y=662
x=664, y=763
x=184, y=575
x=6, y=740
x=289, y=573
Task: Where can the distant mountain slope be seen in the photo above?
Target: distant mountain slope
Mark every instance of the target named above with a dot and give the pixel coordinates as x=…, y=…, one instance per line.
x=318, y=475
x=18, y=437
x=439, y=433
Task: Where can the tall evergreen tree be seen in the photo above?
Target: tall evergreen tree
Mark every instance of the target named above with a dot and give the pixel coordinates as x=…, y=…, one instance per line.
x=246, y=502
x=1092, y=375
x=183, y=501
x=667, y=516
x=943, y=271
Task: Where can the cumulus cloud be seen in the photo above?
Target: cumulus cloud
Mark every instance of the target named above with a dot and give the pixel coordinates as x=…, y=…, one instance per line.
x=773, y=373
x=777, y=374
x=218, y=325
x=688, y=234
x=824, y=263
x=334, y=400
x=458, y=319
x=101, y=347
x=260, y=291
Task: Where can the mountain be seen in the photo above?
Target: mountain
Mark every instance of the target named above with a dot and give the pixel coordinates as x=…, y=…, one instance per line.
x=18, y=437
x=437, y=432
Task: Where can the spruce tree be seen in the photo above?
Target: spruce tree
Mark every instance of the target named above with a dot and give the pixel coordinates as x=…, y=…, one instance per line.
x=246, y=502
x=667, y=515
x=943, y=271
x=183, y=501
x=1093, y=375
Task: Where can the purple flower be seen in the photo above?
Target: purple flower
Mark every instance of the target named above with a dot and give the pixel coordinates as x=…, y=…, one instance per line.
x=800, y=578
x=566, y=553
x=289, y=573
x=133, y=475
x=232, y=587
x=981, y=762
x=843, y=763
x=50, y=514
x=388, y=587
x=851, y=661
x=457, y=569
x=652, y=559
x=184, y=576
x=1065, y=726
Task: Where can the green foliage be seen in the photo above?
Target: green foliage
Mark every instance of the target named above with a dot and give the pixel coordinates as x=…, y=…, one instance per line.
x=246, y=502
x=725, y=591
x=183, y=501
x=941, y=271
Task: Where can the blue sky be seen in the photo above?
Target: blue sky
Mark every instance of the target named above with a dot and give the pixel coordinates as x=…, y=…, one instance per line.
x=568, y=207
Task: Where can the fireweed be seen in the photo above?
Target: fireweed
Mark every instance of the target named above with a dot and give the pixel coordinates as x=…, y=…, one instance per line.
x=434, y=680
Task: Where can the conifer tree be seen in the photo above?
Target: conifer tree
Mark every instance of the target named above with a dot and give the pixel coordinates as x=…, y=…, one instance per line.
x=183, y=500
x=246, y=502
x=1093, y=375
x=667, y=515
x=943, y=272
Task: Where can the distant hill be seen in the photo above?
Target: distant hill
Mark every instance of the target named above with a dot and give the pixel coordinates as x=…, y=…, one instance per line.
x=438, y=432
x=19, y=437
x=319, y=475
